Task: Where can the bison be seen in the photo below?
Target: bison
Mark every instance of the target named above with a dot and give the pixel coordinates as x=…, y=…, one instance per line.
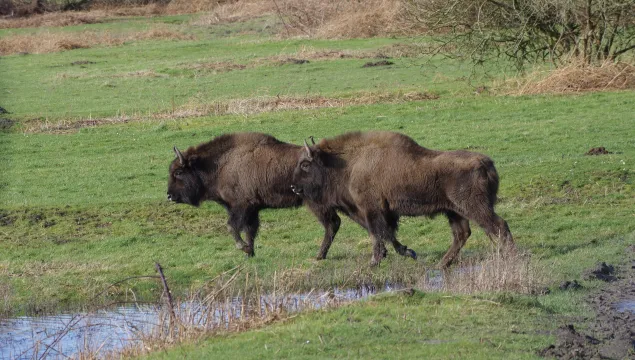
x=245, y=173
x=377, y=177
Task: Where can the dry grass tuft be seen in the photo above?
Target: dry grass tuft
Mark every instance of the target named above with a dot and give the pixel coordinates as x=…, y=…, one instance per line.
x=5, y=291
x=578, y=77
x=347, y=19
x=496, y=272
x=231, y=107
x=233, y=11
x=46, y=42
x=54, y=19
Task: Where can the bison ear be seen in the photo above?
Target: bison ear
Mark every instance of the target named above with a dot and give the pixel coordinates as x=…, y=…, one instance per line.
x=309, y=153
x=179, y=155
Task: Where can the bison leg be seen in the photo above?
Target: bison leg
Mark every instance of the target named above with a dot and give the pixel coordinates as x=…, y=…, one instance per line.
x=252, y=224
x=382, y=228
x=331, y=222
x=460, y=231
x=496, y=228
x=236, y=223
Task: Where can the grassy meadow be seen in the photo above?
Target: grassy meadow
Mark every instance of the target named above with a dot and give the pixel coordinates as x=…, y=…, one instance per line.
x=88, y=140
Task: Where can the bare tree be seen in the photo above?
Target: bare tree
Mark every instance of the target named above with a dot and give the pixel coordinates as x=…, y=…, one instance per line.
x=529, y=30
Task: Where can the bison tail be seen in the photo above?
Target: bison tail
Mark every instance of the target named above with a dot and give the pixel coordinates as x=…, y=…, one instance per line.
x=487, y=167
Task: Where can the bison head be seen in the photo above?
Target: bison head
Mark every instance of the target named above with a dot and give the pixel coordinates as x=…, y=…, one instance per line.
x=309, y=175
x=185, y=184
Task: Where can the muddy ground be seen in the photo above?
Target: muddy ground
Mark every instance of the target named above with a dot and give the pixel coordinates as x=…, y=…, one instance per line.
x=611, y=335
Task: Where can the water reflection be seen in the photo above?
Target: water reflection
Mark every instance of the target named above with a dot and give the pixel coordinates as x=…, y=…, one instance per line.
x=64, y=335
x=626, y=305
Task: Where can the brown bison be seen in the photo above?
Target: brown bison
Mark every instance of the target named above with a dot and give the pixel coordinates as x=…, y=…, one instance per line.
x=244, y=172
x=377, y=177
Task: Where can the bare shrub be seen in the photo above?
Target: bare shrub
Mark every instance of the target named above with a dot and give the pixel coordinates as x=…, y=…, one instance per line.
x=529, y=30
x=45, y=41
x=578, y=76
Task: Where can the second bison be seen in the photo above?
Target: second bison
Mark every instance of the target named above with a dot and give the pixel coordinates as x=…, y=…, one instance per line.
x=377, y=177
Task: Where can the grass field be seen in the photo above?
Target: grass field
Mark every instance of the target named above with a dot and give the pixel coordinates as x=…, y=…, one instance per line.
x=85, y=206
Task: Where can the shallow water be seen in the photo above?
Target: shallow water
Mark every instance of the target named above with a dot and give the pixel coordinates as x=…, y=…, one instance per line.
x=59, y=336
x=63, y=335
x=626, y=305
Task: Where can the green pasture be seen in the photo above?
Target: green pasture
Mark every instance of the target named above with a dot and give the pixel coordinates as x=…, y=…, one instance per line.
x=84, y=208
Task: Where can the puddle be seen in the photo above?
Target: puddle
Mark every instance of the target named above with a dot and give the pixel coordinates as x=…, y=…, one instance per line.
x=626, y=305
x=62, y=335
x=65, y=335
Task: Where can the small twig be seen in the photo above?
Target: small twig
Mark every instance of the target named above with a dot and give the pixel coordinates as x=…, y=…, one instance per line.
x=167, y=292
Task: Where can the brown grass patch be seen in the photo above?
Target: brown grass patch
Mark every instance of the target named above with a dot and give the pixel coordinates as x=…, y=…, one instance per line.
x=54, y=19
x=234, y=11
x=578, y=77
x=347, y=19
x=231, y=107
x=497, y=272
x=46, y=42
x=321, y=18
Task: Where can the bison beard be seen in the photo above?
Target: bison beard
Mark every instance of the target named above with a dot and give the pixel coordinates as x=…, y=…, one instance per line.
x=376, y=177
x=244, y=172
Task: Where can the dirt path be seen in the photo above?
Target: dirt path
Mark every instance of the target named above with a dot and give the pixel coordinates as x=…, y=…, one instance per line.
x=611, y=335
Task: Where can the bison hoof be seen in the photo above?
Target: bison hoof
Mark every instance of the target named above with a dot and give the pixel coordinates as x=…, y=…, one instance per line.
x=249, y=251
x=411, y=253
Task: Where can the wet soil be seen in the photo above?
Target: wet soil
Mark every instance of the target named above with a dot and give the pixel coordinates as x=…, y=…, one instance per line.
x=611, y=335
x=598, y=151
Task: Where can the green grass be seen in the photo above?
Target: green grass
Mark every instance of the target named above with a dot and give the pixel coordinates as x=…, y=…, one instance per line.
x=83, y=209
x=426, y=326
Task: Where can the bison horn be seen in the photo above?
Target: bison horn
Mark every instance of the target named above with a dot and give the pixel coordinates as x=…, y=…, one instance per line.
x=179, y=155
x=312, y=140
x=308, y=150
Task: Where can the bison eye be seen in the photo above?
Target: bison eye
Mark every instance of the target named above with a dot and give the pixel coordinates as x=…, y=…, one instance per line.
x=305, y=166
x=178, y=173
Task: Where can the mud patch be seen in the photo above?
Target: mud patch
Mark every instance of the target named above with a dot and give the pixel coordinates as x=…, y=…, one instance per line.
x=603, y=272
x=570, y=285
x=378, y=63
x=598, y=151
x=611, y=335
